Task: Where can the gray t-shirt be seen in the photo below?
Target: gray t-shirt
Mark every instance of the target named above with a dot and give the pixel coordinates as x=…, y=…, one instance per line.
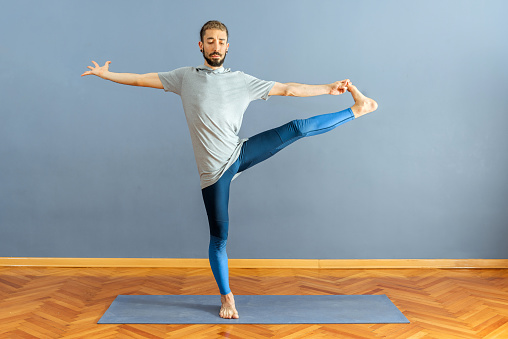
x=214, y=102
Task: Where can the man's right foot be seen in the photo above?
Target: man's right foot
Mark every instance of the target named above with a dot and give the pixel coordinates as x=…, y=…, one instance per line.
x=363, y=105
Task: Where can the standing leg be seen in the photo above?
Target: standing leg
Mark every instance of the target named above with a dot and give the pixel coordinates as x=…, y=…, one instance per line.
x=216, y=199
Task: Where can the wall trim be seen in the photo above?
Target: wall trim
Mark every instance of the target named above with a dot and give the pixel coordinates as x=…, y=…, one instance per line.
x=256, y=263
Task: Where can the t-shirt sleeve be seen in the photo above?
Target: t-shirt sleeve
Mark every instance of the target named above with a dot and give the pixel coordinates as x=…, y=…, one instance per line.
x=172, y=80
x=258, y=89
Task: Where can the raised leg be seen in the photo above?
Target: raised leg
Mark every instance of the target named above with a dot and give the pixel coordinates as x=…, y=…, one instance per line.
x=264, y=145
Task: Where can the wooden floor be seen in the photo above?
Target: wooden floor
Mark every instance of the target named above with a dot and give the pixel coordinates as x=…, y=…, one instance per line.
x=40, y=302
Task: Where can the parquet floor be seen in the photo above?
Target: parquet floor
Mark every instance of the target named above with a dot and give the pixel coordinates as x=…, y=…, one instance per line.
x=40, y=302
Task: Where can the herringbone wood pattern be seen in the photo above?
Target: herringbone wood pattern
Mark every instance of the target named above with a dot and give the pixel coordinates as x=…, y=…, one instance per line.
x=68, y=302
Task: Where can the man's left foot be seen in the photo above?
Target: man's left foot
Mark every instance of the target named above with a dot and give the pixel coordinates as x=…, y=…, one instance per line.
x=363, y=105
x=228, y=309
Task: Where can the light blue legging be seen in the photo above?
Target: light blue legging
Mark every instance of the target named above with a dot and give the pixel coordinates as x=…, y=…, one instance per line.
x=258, y=148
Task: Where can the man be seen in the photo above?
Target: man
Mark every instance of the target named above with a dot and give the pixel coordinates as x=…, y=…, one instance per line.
x=214, y=100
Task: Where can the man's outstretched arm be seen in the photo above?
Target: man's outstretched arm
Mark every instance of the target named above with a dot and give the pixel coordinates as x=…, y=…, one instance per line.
x=302, y=90
x=143, y=80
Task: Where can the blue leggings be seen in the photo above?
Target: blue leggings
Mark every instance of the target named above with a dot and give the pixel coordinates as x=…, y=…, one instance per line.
x=258, y=148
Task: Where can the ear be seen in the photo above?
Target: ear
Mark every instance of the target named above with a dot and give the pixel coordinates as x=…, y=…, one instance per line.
x=200, y=46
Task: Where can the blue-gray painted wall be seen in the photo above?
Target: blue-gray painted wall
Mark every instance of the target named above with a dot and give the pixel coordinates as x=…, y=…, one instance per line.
x=91, y=168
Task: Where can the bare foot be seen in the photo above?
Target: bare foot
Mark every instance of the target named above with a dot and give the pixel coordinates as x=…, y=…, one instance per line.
x=228, y=309
x=363, y=105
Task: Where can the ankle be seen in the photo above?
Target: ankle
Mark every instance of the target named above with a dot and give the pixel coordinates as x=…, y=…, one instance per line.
x=227, y=297
x=365, y=107
x=357, y=111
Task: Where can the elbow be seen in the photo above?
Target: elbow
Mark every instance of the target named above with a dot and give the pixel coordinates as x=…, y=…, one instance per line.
x=139, y=81
x=289, y=91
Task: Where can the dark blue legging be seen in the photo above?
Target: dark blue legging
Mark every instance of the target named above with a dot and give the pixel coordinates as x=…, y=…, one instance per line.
x=258, y=148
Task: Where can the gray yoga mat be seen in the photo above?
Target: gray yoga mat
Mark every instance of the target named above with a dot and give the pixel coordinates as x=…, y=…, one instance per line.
x=253, y=309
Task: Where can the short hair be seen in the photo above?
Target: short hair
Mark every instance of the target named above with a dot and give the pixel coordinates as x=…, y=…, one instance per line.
x=213, y=24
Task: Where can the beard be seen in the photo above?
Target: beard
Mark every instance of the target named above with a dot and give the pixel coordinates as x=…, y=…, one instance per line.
x=214, y=62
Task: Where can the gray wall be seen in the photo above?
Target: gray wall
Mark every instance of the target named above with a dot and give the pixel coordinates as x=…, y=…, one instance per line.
x=90, y=168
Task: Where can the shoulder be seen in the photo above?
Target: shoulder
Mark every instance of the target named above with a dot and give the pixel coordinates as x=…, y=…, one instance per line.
x=184, y=70
x=180, y=70
x=247, y=77
x=250, y=78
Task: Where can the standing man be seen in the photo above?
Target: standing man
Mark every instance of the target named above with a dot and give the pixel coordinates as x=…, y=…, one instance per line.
x=214, y=99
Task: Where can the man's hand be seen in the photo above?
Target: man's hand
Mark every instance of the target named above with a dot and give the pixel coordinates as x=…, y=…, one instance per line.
x=339, y=87
x=99, y=71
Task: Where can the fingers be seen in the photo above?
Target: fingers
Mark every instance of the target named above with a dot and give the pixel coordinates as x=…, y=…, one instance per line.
x=344, y=83
x=92, y=68
x=97, y=65
x=341, y=87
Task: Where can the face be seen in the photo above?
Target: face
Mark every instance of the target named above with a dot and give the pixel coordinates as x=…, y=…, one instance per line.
x=214, y=47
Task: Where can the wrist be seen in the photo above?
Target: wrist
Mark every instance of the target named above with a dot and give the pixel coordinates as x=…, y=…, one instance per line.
x=330, y=88
x=105, y=75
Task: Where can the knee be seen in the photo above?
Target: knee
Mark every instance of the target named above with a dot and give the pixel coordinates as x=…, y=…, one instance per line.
x=216, y=246
x=298, y=127
x=219, y=229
